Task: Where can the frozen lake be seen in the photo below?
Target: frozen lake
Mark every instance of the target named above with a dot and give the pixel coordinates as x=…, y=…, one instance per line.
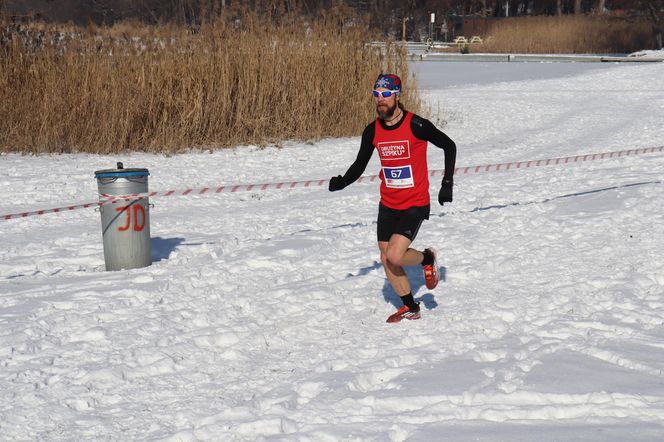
x=446, y=74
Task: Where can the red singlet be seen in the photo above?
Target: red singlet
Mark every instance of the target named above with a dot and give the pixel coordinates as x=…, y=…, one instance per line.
x=404, y=173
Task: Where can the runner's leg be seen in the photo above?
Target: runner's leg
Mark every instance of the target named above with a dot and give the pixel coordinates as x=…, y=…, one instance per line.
x=395, y=274
x=394, y=255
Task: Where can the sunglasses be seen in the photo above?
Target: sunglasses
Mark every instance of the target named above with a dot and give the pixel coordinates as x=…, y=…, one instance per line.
x=384, y=94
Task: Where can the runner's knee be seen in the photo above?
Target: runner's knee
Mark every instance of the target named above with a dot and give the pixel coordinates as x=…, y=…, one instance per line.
x=383, y=258
x=395, y=256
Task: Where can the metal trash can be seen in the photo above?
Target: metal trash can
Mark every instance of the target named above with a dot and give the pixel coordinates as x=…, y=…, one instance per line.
x=125, y=225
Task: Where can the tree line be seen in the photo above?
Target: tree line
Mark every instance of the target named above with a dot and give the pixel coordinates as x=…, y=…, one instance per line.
x=194, y=11
x=390, y=17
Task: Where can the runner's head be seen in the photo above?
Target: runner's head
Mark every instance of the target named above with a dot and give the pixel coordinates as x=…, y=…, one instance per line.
x=386, y=92
x=388, y=82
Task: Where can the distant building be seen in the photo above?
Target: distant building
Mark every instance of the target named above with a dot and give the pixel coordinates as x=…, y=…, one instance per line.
x=469, y=25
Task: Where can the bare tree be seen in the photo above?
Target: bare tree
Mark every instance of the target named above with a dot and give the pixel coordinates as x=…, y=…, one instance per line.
x=601, y=6
x=656, y=14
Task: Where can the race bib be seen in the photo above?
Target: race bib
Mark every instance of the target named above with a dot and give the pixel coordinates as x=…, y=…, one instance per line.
x=398, y=177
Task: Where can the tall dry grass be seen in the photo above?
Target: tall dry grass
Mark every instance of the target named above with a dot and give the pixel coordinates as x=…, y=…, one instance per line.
x=568, y=34
x=164, y=89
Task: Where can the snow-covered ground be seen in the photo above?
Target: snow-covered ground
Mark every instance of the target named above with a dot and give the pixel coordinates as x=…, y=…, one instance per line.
x=263, y=314
x=659, y=54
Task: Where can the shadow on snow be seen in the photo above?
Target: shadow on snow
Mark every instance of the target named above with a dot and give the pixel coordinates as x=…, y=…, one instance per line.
x=416, y=278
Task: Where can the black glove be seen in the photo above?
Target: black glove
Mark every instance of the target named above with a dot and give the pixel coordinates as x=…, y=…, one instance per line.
x=336, y=183
x=445, y=194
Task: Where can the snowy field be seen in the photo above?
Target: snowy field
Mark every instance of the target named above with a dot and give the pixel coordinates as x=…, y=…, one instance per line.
x=263, y=314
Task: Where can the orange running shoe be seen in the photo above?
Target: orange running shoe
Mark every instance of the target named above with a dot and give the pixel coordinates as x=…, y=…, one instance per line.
x=431, y=276
x=405, y=313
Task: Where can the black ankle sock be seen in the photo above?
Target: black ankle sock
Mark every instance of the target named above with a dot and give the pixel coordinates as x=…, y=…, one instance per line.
x=408, y=300
x=428, y=258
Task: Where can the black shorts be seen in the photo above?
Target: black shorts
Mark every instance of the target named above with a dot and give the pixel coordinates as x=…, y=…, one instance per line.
x=404, y=222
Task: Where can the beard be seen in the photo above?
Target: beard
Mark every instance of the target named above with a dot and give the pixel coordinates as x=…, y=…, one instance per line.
x=386, y=112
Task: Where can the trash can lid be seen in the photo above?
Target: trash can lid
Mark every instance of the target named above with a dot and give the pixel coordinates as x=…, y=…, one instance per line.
x=121, y=173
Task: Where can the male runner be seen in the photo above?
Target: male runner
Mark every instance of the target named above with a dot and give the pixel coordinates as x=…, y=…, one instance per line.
x=401, y=139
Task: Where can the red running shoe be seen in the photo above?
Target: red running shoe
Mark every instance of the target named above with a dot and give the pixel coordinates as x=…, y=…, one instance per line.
x=405, y=313
x=431, y=276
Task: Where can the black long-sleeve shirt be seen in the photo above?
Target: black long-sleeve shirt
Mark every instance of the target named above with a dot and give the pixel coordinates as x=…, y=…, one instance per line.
x=421, y=128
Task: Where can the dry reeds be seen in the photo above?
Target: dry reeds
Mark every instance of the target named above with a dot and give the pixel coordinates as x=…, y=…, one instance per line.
x=171, y=88
x=567, y=34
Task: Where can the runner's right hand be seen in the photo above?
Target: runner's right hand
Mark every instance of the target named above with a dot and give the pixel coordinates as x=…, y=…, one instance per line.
x=336, y=183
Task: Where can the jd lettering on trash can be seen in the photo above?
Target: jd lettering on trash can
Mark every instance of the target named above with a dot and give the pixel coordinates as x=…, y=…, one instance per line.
x=135, y=221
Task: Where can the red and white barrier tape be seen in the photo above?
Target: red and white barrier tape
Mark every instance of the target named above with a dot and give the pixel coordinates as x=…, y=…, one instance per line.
x=372, y=178
x=66, y=208
x=45, y=211
x=112, y=199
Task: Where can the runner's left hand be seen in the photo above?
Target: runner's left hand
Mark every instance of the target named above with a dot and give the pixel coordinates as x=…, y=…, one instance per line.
x=445, y=194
